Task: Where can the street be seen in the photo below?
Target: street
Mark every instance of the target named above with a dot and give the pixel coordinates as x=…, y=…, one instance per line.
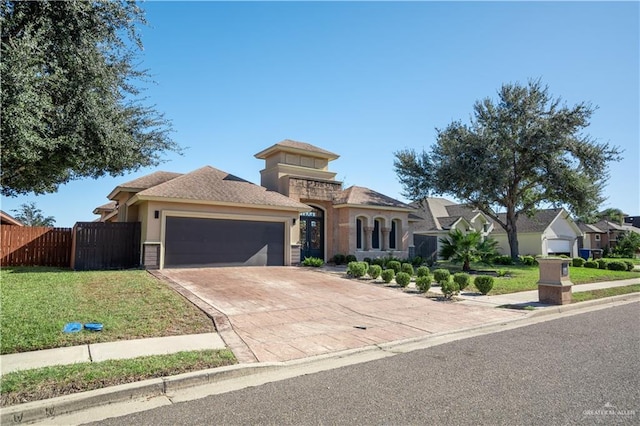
x=582, y=369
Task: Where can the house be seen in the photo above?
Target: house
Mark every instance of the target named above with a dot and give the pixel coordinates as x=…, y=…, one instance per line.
x=7, y=219
x=208, y=217
x=603, y=234
x=632, y=220
x=547, y=232
x=434, y=218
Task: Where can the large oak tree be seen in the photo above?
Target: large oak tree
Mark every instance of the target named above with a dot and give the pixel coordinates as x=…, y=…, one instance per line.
x=522, y=151
x=71, y=105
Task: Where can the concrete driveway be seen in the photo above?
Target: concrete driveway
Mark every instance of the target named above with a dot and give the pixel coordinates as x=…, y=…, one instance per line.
x=284, y=313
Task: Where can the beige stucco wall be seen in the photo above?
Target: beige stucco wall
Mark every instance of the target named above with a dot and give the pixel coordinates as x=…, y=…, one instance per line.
x=528, y=243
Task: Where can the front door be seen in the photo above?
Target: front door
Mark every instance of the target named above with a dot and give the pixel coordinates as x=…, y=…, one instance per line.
x=312, y=234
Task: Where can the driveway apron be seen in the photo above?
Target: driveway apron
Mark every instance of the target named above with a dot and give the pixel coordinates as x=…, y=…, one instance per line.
x=284, y=313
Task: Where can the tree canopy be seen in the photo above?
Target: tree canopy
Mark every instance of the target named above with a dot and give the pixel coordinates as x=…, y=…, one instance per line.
x=30, y=215
x=520, y=152
x=70, y=96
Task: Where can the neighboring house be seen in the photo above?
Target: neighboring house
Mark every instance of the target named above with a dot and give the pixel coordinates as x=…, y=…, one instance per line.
x=547, y=232
x=210, y=218
x=604, y=234
x=7, y=219
x=436, y=217
x=108, y=212
x=632, y=220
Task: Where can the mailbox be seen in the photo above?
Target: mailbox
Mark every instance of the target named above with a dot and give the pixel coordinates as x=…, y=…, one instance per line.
x=554, y=285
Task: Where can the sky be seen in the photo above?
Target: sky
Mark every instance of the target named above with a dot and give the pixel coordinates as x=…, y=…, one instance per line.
x=367, y=79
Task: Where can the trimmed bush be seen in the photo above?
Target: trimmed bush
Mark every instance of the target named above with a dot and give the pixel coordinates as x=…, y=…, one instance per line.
x=387, y=275
x=312, y=261
x=440, y=275
x=503, y=260
x=374, y=271
x=395, y=265
x=407, y=268
x=484, y=283
x=403, y=279
x=617, y=265
x=449, y=288
x=378, y=261
x=578, y=262
x=416, y=261
x=339, y=259
x=462, y=279
x=357, y=269
x=528, y=260
x=350, y=258
x=602, y=263
x=367, y=259
x=423, y=283
x=591, y=264
x=423, y=271
x=629, y=264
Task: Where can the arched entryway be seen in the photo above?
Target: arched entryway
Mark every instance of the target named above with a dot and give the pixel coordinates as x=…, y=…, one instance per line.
x=312, y=234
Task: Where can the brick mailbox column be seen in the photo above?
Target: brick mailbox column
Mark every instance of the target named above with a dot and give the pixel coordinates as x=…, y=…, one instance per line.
x=554, y=286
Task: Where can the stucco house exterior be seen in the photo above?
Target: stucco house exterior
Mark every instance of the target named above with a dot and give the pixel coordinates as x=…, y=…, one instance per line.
x=208, y=217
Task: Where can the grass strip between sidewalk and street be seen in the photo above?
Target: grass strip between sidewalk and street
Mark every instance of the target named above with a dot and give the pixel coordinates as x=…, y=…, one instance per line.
x=583, y=296
x=42, y=383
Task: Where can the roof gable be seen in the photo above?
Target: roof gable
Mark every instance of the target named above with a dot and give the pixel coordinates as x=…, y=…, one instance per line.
x=296, y=147
x=212, y=185
x=440, y=214
x=144, y=182
x=537, y=223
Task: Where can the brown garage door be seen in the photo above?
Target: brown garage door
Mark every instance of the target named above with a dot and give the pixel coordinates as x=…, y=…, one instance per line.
x=221, y=242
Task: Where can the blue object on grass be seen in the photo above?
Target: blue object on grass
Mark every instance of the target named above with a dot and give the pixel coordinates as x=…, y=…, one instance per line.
x=93, y=326
x=72, y=327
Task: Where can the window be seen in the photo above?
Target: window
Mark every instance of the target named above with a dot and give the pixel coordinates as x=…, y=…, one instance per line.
x=392, y=235
x=375, y=242
x=597, y=237
x=358, y=234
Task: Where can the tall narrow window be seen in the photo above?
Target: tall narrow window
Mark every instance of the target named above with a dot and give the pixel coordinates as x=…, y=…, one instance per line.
x=358, y=234
x=375, y=242
x=392, y=235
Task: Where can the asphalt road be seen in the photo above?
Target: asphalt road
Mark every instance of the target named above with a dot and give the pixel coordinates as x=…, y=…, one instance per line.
x=581, y=369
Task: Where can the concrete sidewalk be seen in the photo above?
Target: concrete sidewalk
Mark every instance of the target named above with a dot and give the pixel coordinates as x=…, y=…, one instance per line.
x=97, y=352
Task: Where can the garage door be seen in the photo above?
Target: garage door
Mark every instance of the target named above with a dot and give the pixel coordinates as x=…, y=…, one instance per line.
x=222, y=242
x=559, y=246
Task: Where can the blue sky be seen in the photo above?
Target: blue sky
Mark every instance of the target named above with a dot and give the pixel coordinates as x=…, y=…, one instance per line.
x=366, y=79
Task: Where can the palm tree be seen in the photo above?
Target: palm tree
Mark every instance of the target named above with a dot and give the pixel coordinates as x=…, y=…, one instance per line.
x=467, y=248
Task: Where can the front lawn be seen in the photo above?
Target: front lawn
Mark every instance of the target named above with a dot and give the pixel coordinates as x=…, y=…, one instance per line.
x=38, y=302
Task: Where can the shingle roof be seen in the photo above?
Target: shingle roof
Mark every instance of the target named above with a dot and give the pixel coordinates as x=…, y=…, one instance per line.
x=110, y=206
x=360, y=196
x=288, y=145
x=213, y=185
x=440, y=214
x=150, y=180
x=585, y=227
x=537, y=223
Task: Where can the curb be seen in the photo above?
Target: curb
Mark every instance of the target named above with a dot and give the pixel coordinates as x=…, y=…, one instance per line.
x=67, y=404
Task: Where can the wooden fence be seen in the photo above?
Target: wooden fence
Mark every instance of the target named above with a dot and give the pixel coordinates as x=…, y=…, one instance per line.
x=35, y=246
x=103, y=245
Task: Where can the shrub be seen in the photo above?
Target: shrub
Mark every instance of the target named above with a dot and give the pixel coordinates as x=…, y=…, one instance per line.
x=357, y=269
x=312, y=261
x=374, y=271
x=629, y=264
x=422, y=271
x=368, y=260
x=416, y=261
x=387, y=275
x=591, y=264
x=527, y=260
x=403, y=279
x=378, y=261
x=503, y=260
x=350, y=258
x=339, y=259
x=602, y=263
x=484, y=283
x=462, y=279
x=617, y=265
x=578, y=262
x=503, y=272
x=440, y=275
x=395, y=265
x=423, y=283
x=449, y=288
x=407, y=268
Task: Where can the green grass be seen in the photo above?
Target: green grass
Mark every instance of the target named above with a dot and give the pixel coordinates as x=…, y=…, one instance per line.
x=605, y=292
x=43, y=383
x=38, y=302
